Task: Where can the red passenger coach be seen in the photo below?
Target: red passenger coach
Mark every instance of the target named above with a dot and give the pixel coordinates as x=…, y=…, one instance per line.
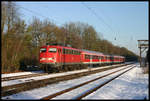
x=92, y=57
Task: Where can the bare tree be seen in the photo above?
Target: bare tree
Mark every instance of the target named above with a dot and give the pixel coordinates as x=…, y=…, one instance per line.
x=10, y=14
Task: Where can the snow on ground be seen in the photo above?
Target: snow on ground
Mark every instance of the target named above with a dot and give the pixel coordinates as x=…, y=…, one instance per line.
x=18, y=81
x=20, y=73
x=132, y=85
x=81, y=90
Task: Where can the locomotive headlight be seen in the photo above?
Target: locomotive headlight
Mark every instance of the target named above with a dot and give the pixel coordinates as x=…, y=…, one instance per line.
x=42, y=58
x=49, y=58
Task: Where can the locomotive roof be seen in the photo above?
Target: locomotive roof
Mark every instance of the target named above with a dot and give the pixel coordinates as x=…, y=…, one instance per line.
x=62, y=47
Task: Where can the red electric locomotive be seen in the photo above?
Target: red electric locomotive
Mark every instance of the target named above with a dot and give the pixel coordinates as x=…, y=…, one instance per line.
x=59, y=55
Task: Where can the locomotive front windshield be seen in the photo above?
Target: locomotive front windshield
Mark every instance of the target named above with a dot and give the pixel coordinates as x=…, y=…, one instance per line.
x=53, y=50
x=42, y=50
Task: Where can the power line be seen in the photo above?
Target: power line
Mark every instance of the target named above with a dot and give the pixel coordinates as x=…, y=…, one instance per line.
x=99, y=18
x=37, y=13
x=42, y=16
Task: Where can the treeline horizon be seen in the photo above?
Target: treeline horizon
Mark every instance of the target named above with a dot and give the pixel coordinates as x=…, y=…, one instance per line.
x=21, y=42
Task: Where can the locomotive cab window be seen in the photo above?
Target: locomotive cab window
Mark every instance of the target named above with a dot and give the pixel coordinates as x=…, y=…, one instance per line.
x=42, y=50
x=53, y=50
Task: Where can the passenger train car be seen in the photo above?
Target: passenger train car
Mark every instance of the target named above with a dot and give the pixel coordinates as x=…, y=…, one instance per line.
x=56, y=56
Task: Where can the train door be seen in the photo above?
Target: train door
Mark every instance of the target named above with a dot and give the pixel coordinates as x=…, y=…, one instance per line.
x=59, y=57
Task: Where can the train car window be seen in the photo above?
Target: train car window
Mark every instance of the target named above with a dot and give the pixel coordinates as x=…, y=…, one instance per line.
x=78, y=53
x=86, y=56
x=92, y=56
x=42, y=50
x=89, y=56
x=70, y=51
x=96, y=57
x=66, y=51
x=102, y=58
x=75, y=52
x=63, y=51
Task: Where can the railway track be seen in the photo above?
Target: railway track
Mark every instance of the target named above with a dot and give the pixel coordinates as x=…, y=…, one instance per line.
x=16, y=88
x=87, y=82
x=22, y=76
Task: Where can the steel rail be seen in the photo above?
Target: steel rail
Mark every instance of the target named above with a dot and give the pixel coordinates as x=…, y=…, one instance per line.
x=99, y=86
x=79, y=85
x=22, y=76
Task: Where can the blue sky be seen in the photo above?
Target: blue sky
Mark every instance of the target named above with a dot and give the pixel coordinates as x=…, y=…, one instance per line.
x=126, y=22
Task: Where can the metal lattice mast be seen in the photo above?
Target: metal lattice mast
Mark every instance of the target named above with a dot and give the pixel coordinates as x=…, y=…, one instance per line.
x=142, y=45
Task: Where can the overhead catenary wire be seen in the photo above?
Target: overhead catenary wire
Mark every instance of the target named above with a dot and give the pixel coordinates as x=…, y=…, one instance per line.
x=98, y=17
x=37, y=14
x=93, y=12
